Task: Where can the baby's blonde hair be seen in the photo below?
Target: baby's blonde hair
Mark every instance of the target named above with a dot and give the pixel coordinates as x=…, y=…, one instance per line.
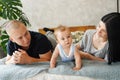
x=60, y=28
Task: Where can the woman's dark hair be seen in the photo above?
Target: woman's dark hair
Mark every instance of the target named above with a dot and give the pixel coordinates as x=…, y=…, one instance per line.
x=109, y=17
x=112, y=23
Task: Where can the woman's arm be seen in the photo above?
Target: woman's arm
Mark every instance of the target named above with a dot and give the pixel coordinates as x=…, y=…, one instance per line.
x=89, y=56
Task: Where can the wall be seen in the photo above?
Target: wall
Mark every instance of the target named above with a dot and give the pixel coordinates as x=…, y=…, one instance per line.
x=51, y=13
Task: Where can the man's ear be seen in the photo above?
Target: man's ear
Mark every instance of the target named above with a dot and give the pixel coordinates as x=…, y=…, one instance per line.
x=57, y=41
x=11, y=39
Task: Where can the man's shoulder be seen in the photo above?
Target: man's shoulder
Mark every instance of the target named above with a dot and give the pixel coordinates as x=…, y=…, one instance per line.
x=36, y=34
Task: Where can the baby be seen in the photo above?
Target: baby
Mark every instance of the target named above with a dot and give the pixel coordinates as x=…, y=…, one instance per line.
x=65, y=48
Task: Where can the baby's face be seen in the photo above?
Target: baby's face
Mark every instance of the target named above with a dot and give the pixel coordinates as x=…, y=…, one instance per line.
x=64, y=38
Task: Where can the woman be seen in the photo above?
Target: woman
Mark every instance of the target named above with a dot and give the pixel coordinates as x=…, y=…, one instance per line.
x=94, y=44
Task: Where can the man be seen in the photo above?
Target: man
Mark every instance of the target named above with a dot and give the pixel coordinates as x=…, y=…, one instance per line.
x=26, y=47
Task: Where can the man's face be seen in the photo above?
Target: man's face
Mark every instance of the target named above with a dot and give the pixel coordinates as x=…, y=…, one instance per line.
x=21, y=36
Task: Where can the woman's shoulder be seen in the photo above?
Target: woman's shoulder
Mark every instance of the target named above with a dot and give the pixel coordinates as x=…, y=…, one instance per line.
x=90, y=31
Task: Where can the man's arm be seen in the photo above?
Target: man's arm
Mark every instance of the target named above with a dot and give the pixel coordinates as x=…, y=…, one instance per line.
x=10, y=60
x=21, y=57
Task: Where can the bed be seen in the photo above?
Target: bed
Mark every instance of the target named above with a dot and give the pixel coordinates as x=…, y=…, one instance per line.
x=91, y=70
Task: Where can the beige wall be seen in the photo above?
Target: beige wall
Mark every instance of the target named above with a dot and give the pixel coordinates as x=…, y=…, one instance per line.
x=51, y=13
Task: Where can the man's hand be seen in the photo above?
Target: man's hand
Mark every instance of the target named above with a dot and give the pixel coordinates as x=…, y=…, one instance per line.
x=21, y=57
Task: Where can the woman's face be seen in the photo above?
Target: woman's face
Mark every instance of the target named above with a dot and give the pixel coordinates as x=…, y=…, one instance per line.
x=101, y=30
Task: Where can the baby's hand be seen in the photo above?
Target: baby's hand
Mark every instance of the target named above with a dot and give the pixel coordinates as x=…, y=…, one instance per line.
x=76, y=68
x=52, y=67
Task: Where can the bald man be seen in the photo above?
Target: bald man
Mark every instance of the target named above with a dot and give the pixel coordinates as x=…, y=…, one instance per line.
x=26, y=47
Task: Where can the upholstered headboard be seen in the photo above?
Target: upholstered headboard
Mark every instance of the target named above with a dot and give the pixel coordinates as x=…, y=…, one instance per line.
x=74, y=28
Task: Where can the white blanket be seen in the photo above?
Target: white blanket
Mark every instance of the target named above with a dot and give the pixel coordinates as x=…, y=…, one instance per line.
x=91, y=70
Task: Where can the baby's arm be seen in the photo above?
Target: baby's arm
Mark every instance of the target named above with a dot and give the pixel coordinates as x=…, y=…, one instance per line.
x=54, y=58
x=78, y=62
